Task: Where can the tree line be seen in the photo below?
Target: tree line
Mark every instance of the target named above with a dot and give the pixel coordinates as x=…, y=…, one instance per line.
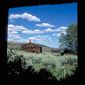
x=69, y=40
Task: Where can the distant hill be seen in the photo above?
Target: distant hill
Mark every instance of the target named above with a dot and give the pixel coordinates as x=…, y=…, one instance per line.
x=14, y=45
x=17, y=45
x=45, y=48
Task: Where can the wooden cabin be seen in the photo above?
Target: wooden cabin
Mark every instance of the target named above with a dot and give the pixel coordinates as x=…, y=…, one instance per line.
x=32, y=48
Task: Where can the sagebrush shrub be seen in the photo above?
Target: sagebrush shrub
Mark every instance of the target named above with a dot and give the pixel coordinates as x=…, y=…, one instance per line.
x=59, y=66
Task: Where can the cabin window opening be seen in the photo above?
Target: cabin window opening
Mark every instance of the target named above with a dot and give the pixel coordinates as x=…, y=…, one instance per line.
x=33, y=51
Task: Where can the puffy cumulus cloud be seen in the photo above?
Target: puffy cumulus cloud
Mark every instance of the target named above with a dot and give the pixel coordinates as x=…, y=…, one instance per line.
x=26, y=16
x=13, y=32
x=11, y=21
x=16, y=28
x=14, y=37
x=56, y=34
x=10, y=26
x=44, y=25
x=62, y=28
x=50, y=38
x=37, y=31
x=59, y=31
x=49, y=30
x=33, y=32
x=40, y=38
x=19, y=28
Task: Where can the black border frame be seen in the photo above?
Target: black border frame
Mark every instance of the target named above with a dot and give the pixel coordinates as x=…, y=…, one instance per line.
x=4, y=6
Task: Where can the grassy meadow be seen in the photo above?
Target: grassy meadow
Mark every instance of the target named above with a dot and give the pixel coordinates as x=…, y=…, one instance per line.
x=59, y=66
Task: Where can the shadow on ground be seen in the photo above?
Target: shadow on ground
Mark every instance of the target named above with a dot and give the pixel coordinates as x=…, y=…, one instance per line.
x=16, y=73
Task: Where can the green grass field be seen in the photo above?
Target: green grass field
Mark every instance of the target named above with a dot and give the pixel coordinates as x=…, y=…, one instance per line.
x=59, y=66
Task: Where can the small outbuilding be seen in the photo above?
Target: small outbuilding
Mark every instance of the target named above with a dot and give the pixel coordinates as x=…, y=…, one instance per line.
x=32, y=48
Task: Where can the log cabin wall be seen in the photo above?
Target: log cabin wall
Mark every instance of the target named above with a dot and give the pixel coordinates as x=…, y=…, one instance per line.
x=32, y=48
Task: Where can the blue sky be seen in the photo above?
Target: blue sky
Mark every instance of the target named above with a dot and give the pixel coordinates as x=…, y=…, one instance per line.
x=42, y=24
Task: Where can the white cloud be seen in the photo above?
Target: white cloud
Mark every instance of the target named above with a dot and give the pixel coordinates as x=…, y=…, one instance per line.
x=56, y=34
x=59, y=31
x=44, y=25
x=45, y=40
x=19, y=28
x=62, y=28
x=36, y=31
x=11, y=21
x=48, y=30
x=59, y=34
x=50, y=39
x=9, y=39
x=13, y=33
x=39, y=38
x=33, y=32
x=64, y=32
x=12, y=27
x=14, y=37
x=26, y=16
x=13, y=30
